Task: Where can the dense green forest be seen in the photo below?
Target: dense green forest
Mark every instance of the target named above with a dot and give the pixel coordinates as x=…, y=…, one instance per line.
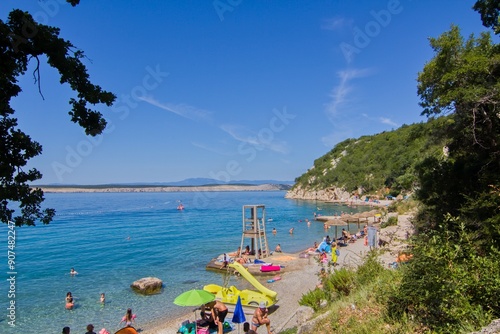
x=383, y=163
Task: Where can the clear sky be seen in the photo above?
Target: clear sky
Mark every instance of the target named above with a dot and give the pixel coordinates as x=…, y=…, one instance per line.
x=229, y=89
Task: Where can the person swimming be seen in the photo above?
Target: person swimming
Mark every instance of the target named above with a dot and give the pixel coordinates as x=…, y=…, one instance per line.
x=73, y=272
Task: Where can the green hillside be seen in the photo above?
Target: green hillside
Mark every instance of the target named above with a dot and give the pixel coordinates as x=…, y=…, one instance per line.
x=382, y=163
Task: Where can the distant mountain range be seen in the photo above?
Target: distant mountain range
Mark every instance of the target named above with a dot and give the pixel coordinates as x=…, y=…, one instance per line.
x=191, y=182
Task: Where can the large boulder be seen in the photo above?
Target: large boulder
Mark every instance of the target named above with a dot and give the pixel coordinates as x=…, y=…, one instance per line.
x=147, y=285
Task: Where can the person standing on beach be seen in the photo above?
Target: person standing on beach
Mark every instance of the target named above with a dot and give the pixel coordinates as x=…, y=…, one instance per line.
x=128, y=318
x=335, y=253
x=219, y=312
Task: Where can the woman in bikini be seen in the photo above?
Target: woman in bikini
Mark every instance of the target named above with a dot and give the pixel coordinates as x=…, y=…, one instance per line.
x=69, y=301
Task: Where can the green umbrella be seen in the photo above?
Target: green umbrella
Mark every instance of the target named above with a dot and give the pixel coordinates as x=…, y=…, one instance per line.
x=194, y=297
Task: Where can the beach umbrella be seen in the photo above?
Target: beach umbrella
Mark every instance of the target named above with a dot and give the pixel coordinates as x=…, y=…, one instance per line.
x=239, y=314
x=336, y=223
x=194, y=297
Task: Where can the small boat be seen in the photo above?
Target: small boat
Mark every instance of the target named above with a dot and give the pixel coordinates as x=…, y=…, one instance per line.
x=269, y=219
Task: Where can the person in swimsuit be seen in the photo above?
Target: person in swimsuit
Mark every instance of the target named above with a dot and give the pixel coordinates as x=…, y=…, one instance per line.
x=65, y=330
x=219, y=312
x=260, y=318
x=128, y=318
x=103, y=298
x=69, y=301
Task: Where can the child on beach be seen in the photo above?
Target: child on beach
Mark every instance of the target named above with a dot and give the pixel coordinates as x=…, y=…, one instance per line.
x=128, y=318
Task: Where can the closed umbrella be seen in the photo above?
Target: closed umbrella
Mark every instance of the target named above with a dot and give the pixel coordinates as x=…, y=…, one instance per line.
x=239, y=314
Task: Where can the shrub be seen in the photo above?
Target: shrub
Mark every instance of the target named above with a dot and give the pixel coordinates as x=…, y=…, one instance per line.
x=448, y=286
x=392, y=221
x=313, y=299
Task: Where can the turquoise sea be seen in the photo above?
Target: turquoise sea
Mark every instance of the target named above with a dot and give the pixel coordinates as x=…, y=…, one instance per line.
x=113, y=239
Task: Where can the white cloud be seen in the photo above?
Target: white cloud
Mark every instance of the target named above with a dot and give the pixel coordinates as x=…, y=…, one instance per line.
x=339, y=93
x=384, y=120
x=336, y=23
x=181, y=109
x=260, y=140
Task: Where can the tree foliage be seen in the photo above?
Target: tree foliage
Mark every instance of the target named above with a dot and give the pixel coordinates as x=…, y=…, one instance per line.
x=490, y=13
x=382, y=161
x=453, y=282
x=462, y=80
x=22, y=40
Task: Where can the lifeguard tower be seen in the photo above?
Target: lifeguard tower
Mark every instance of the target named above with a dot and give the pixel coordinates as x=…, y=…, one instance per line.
x=254, y=228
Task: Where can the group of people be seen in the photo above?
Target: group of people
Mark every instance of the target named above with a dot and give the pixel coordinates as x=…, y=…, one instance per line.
x=70, y=300
x=128, y=319
x=213, y=315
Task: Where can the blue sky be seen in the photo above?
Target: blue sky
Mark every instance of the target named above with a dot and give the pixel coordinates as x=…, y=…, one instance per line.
x=229, y=89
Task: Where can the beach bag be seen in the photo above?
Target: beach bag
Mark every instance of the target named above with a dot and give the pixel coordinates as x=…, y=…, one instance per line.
x=202, y=330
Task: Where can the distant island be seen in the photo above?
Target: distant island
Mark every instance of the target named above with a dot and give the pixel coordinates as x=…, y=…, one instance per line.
x=189, y=185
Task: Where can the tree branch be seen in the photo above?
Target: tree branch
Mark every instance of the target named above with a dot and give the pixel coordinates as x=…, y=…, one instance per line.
x=36, y=76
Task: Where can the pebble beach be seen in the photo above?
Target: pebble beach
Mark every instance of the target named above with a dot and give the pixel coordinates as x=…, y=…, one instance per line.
x=301, y=277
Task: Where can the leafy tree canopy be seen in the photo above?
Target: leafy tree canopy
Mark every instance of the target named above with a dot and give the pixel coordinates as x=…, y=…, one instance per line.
x=370, y=163
x=463, y=80
x=22, y=40
x=490, y=13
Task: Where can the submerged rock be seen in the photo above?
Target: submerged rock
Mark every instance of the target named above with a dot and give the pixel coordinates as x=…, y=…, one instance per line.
x=147, y=285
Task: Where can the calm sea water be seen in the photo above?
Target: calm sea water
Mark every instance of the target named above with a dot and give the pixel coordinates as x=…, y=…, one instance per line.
x=113, y=239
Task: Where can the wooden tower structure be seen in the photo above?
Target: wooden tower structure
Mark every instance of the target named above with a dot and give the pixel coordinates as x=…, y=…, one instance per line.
x=254, y=230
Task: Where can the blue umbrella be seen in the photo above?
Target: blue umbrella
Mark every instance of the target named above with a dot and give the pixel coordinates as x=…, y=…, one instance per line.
x=239, y=314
